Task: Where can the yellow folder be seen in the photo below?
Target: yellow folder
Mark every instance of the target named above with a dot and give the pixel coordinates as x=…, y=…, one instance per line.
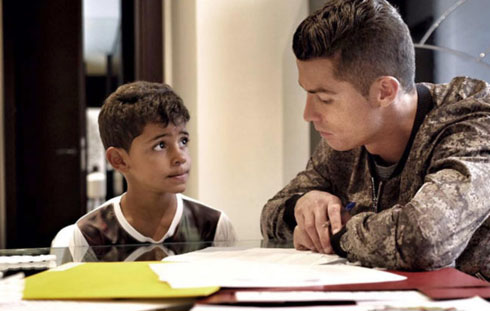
x=104, y=280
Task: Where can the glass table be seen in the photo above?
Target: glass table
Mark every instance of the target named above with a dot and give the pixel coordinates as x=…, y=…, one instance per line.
x=34, y=260
x=155, y=252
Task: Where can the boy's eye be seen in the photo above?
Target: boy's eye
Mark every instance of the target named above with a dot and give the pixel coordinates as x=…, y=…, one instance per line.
x=184, y=141
x=159, y=146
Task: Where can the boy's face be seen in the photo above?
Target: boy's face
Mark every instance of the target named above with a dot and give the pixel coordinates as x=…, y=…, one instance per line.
x=340, y=113
x=158, y=160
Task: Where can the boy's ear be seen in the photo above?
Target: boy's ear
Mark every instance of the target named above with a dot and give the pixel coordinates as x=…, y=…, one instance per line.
x=386, y=88
x=117, y=158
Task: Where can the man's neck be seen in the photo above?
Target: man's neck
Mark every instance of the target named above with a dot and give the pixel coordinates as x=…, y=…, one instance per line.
x=399, y=120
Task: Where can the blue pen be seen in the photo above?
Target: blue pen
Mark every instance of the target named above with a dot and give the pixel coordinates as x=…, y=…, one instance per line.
x=350, y=206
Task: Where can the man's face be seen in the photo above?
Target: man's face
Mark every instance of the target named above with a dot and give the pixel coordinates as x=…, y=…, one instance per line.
x=159, y=159
x=342, y=116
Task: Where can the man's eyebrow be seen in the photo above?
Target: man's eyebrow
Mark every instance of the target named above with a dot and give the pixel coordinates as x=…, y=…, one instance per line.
x=317, y=90
x=184, y=132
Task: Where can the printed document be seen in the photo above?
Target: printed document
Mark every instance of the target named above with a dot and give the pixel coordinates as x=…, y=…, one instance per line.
x=264, y=267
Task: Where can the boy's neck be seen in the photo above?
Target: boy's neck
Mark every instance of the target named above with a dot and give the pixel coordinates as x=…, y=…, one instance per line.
x=149, y=213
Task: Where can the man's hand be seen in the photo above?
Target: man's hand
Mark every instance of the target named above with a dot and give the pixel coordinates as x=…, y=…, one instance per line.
x=317, y=213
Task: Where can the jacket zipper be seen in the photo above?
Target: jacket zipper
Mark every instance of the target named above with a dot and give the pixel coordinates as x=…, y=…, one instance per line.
x=376, y=193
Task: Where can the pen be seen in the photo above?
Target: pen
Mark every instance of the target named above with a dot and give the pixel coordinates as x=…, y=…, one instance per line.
x=350, y=206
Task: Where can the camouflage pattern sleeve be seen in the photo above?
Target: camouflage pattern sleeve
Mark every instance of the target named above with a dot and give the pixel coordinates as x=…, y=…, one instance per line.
x=313, y=177
x=434, y=228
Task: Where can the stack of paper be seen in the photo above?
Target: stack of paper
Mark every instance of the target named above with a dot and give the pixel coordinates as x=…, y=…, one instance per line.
x=471, y=304
x=262, y=268
x=264, y=255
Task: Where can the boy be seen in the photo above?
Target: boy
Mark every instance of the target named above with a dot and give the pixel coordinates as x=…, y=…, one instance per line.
x=143, y=129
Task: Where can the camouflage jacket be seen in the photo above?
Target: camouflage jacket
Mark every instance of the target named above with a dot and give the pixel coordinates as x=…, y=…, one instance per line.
x=434, y=209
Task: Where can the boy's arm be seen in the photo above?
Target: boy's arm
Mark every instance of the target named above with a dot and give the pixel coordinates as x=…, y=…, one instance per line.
x=78, y=245
x=433, y=229
x=224, y=231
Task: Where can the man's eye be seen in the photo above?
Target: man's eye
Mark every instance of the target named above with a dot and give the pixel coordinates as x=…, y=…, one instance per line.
x=326, y=101
x=159, y=146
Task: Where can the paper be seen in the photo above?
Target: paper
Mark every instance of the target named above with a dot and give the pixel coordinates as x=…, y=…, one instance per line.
x=11, y=288
x=105, y=280
x=60, y=305
x=471, y=304
x=270, y=255
x=303, y=296
x=289, y=308
x=252, y=274
x=16, y=262
x=265, y=267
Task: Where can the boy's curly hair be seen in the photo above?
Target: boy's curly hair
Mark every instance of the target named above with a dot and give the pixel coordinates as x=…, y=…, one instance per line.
x=132, y=106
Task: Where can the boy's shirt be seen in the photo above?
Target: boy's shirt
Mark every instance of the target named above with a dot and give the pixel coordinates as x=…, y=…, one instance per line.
x=106, y=225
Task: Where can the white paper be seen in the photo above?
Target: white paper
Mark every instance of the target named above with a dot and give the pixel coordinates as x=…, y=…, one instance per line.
x=268, y=255
x=253, y=274
x=265, y=267
x=471, y=304
x=303, y=296
x=72, y=305
x=307, y=308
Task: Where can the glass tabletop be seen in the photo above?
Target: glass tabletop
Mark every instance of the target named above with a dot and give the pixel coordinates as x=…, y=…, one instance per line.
x=34, y=260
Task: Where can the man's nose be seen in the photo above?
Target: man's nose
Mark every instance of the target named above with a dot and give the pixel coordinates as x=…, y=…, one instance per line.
x=310, y=114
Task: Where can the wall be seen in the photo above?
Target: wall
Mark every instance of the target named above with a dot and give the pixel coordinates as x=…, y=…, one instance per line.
x=233, y=65
x=2, y=159
x=180, y=68
x=465, y=33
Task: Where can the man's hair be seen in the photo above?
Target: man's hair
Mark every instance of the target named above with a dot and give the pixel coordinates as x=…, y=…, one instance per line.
x=132, y=106
x=365, y=39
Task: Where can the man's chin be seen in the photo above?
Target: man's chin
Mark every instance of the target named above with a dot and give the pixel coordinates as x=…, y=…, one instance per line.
x=339, y=147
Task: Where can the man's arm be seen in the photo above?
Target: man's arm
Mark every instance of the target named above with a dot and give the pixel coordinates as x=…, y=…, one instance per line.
x=434, y=228
x=277, y=218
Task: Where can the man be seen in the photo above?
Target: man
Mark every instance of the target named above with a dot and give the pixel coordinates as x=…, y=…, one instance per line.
x=400, y=178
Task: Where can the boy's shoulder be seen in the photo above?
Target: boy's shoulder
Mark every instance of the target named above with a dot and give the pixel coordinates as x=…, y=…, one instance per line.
x=102, y=226
x=198, y=208
x=198, y=221
x=105, y=211
x=191, y=201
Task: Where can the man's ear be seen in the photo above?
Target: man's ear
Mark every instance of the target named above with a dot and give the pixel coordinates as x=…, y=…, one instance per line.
x=117, y=157
x=386, y=90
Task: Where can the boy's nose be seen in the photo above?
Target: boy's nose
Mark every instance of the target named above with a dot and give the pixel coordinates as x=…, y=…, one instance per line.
x=179, y=157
